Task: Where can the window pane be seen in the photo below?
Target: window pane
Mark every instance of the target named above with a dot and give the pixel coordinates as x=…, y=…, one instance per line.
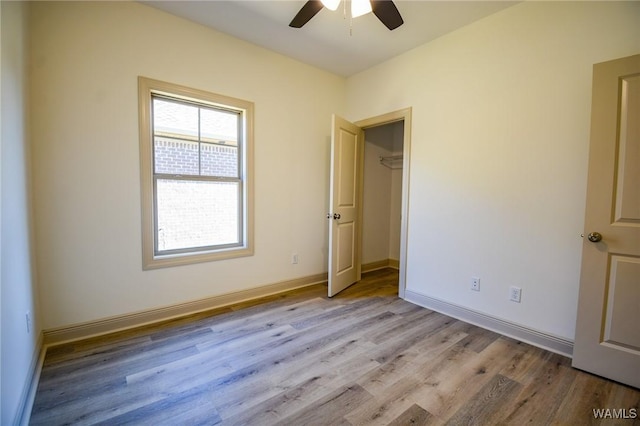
x=175, y=119
x=173, y=156
x=219, y=160
x=197, y=214
x=219, y=126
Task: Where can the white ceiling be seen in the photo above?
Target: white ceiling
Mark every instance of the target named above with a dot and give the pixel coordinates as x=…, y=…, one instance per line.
x=326, y=40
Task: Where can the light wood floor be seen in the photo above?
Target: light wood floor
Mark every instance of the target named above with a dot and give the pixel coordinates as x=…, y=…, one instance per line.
x=299, y=358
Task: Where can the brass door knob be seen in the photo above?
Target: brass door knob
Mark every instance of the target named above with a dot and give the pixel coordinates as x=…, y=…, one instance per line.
x=594, y=237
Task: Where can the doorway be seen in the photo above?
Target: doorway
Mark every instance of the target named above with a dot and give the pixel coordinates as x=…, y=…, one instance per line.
x=346, y=190
x=396, y=128
x=382, y=196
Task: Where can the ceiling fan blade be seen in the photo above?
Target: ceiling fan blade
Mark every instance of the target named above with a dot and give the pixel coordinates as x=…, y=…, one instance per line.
x=387, y=12
x=307, y=12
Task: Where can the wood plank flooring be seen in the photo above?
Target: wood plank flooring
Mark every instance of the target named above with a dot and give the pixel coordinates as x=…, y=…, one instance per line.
x=364, y=357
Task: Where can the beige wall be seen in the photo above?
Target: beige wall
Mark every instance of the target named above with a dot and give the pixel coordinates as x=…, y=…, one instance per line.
x=86, y=60
x=395, y=214
x=395, y=204
x=18, y=293
x=499, y=153
x=375, y=206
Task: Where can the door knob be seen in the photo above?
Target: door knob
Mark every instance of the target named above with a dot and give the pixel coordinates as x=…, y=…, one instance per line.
x=336, y=216
x=594, y=237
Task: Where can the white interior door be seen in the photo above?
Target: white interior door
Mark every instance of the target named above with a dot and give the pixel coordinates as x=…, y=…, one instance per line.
x=607, y=339
x=345, y=204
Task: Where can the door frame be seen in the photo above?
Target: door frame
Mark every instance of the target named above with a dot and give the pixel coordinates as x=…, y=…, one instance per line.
x=379, y=120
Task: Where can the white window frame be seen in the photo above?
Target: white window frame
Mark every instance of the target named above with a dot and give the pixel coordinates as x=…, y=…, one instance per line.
x=151, y=259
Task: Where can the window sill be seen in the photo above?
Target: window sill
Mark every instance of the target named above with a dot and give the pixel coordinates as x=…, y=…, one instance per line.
x=165, y=261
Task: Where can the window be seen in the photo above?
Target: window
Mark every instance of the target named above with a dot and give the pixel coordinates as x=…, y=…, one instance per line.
x=196, y=164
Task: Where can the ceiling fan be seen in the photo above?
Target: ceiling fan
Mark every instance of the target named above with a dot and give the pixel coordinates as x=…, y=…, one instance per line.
x=385, y=10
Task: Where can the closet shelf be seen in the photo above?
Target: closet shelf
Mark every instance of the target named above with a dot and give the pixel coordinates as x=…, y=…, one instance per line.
x=392, y=161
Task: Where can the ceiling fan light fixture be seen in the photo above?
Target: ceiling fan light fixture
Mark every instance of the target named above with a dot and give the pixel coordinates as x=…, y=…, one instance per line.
x=384, y=10
x=330, y=4
x=360, y=7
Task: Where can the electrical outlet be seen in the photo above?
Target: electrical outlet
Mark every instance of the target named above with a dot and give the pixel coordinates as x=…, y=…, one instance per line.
x=294, y=258
x=515, y=294
x=28, y=318
x=475, y=283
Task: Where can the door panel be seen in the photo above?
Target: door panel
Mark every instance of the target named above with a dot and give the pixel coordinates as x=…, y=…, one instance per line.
x=346, y=254
x=607, y=339
x=348, y=146
x=628, y=153
x=623, y=300
x=347, y=149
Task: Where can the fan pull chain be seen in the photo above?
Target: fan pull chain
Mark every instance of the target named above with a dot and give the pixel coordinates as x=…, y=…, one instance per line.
x=350, y=19
x=344, y=16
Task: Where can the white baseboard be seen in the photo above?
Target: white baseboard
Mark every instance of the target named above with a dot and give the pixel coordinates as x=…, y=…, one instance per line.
x=380, y=264
x=73, y=332
x=28, y=395
x=525, y=334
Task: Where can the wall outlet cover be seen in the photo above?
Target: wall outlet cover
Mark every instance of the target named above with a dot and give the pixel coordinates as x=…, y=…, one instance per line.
x=475, y=284
x=515, y=294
